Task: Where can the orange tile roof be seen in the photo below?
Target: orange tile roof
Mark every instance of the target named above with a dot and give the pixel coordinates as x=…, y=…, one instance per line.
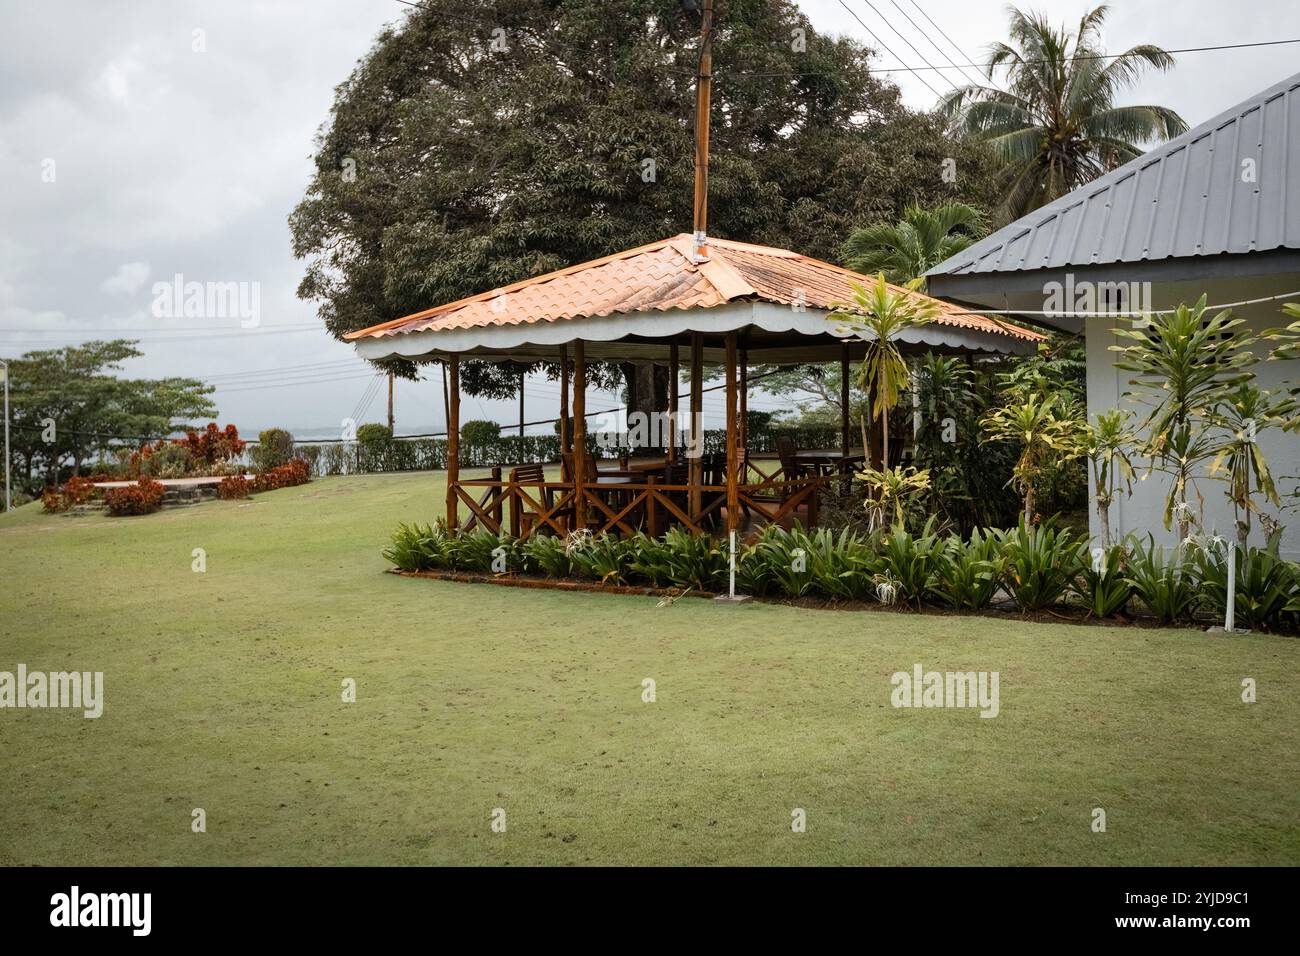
x=661, y=276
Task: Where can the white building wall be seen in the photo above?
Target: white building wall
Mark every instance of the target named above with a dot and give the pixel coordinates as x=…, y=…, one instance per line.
x=1143, y=511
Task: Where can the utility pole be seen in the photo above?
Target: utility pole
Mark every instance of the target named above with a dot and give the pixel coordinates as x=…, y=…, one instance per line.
x=9, y=497
x=703, y=100
x=390, y=403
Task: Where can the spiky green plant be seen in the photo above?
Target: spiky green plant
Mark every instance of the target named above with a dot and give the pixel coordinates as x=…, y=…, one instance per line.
x=1184, y=364
x=1046, y=432
x=1109, y=441
x=878, y=315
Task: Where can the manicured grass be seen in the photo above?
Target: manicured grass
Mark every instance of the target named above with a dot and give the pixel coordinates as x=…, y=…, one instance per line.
x=223, y=692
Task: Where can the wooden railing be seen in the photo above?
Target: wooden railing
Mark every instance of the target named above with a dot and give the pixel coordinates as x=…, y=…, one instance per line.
x=523, y=508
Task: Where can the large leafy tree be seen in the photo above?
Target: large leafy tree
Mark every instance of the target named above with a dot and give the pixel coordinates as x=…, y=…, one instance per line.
x=909, y=248
x=481, y=143
x=1055, y=121
x=69, y=404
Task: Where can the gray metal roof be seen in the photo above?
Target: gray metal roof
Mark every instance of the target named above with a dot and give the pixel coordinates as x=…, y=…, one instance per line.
x=1191, y=196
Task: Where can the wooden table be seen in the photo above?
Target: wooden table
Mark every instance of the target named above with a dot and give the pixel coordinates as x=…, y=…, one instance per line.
x=825, y=461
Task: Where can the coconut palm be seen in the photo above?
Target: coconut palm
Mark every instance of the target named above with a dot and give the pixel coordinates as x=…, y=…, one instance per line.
x=922, y=239
x=1056, y=124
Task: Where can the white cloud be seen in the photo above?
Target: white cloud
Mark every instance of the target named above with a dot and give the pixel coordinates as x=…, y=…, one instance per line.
x=128, y=277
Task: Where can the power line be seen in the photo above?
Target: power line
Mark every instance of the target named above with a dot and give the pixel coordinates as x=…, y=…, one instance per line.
x=886, y=48
x=891, y=26
x=977, y=81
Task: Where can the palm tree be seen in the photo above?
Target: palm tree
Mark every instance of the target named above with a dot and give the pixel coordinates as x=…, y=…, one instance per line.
x=1056, y=124
x=878, y=314
x=922, y=239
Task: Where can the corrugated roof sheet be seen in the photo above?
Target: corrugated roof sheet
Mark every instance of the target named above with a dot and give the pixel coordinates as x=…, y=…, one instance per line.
x=1230, y=185
x=661, y=276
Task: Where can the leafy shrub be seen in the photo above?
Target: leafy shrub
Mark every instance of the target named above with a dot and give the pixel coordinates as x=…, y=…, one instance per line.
x=680, y=559
x=75, y=491
x=907, y=564
x=210, y=446
x=1042, y=563
x=296, y=472
x=546, y=554
x=478, y=433
x=372, y=433
x=1103, y=582
x=142, y=498
x=274, y=448
x=968, y=573
x=233, y=487
x=1166, y=586
x=604, y=557
x=477, y=550
x=167, y=460
x=1265, y=584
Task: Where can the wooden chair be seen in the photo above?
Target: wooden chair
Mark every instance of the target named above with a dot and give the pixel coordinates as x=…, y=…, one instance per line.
x=790, y=467
x=523, y=517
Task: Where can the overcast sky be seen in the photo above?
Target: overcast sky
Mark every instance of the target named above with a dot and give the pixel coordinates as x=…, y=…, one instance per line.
x=128, y=157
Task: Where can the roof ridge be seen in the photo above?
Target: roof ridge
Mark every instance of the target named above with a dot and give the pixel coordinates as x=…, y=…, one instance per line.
x=512, y=287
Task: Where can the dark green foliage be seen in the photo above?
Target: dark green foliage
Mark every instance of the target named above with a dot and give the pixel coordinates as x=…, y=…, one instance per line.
x=477, y=433
x=968, y=573
x=1265, y=583
x=680, y=559
x=275, y=448
x=604, y=557
x=1164, y=583
x=1042, y=563
x=546, y=554
x=908, y=562
x=1103, y=584
x=795, y=563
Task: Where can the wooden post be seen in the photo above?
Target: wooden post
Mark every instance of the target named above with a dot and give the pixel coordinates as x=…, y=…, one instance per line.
x=733, y=429
x=696, y=469
x=579, y=434
x=521, y=415
x=390, y=403
x=564, y=399
x=844, y=399
x=743, y=417
x=453, y=438
x=703, y=97
x=674, y=373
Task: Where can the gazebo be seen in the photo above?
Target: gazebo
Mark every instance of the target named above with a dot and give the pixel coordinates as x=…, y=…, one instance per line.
x=717, y=301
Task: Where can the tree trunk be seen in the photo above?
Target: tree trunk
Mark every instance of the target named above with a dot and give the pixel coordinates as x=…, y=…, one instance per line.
x=1103, y=518
x=1029, y=505
x=647, y=393
x=884, y=441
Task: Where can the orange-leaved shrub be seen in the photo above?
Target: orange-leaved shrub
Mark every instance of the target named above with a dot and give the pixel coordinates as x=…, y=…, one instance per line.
x=142, y=498
x=295, y=472
x=74, y=491
x=232, y=487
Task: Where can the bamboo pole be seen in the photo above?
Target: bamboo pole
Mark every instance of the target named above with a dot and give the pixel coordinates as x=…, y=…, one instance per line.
x=674, y=373
x=733, y=428
x=844, y=399
x=696, y=471
x=453, y=439
x=564, y=398
x=579, y=434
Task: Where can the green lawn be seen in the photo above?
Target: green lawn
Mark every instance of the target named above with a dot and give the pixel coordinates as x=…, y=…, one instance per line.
x=223, y=692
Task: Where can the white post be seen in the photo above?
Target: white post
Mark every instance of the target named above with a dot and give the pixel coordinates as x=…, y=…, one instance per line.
x=732, y=589
x=1230, y=612
x=9, y=498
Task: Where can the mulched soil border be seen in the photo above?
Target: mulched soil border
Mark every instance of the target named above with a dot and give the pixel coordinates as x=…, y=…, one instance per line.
x=1065, y=615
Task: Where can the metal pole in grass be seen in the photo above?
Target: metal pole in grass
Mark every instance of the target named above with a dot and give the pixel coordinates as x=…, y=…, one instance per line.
x=9, y=498
x=1230, y=612
x=732, y=587
x=731, y=597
